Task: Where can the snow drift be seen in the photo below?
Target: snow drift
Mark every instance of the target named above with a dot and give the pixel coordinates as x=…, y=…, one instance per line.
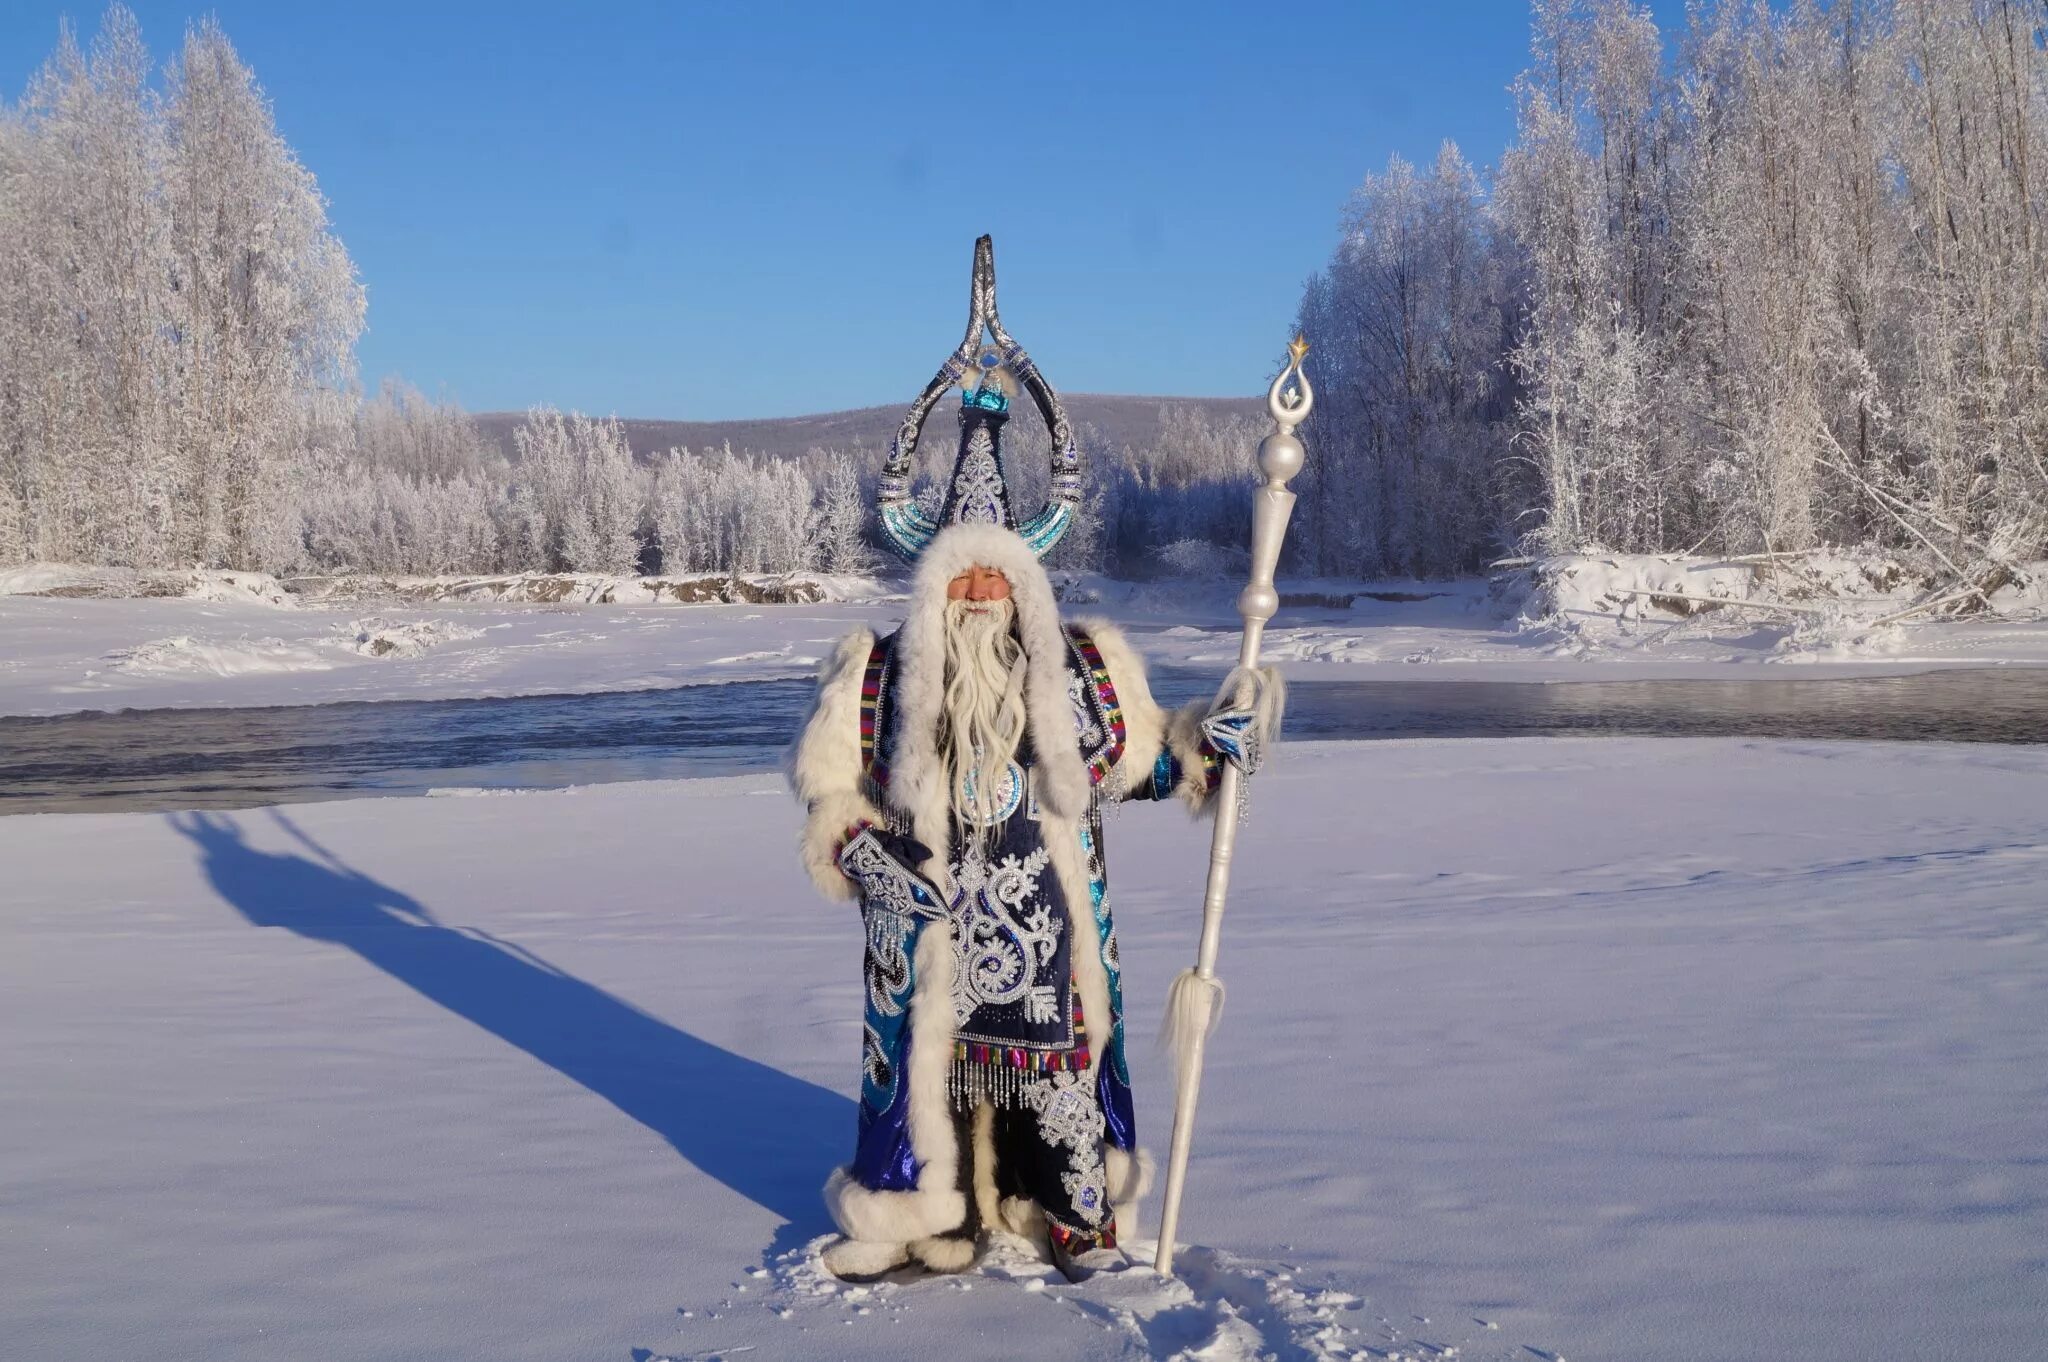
x=1830, y=584
x=80, y=582
x=600, y=588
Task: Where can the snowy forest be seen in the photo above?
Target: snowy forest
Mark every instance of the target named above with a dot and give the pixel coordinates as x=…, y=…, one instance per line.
x=179, y=325
x=1773, y=282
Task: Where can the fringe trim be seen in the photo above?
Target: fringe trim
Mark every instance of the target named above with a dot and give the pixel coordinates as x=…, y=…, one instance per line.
x=1002, y=1084
x=1000, y=1074
x=1074, y=1242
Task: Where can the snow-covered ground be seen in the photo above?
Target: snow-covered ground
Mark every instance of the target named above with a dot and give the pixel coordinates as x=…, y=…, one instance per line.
x=240, y=640
x=1593, y=1049
x=244, y=641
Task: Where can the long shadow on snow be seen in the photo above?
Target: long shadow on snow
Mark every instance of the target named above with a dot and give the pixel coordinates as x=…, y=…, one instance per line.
x=766, y=1135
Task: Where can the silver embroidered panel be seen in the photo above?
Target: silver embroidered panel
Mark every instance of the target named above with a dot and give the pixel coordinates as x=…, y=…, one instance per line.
x=1004, y=934
x=884, y=881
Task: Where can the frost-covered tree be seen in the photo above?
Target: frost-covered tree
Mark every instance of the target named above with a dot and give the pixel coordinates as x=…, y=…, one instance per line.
x=85, y=289
x=678, y=512
x=774, y=519
x=610, y=495
x=558, y=523
x=1783, y=287
x=1582, y=195
x=268, y=307
x=581, y=502
x=842, y=517
x=728, y=512
x=405, y=485
x=13, y=527
x=1190, y=481
x=172, y=309
x=1408, y=320
x=1971, y=428
x=402, y=429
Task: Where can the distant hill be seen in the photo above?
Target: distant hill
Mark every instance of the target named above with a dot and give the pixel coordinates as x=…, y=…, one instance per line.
x=1115, y=421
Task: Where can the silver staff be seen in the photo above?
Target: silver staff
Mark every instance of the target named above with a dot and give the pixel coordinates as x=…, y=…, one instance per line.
x=1197, y=995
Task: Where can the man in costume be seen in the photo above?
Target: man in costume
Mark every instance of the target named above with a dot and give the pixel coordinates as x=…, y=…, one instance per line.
x=953, y=775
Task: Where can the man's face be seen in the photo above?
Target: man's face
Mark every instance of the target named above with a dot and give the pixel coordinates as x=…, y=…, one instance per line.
x=980, y=585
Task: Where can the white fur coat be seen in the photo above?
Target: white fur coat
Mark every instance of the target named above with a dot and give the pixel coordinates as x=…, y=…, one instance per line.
x=826, y=774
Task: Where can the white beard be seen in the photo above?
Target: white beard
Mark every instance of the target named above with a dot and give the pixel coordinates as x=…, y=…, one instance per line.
x=983, y=719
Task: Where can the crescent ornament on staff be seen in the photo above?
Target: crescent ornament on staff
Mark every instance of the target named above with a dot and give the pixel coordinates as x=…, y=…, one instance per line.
x=1196, y=999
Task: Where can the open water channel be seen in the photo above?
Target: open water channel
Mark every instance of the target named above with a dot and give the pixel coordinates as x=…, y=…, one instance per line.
x=234, y=758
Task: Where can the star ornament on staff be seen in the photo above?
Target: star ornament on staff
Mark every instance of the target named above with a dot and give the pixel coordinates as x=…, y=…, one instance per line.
x=1196, y=1000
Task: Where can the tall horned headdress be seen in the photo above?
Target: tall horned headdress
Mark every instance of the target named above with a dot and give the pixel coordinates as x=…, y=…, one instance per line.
x=989, y=367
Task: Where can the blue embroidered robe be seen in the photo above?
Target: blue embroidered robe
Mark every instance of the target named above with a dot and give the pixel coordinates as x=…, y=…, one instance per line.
x=883, y=1158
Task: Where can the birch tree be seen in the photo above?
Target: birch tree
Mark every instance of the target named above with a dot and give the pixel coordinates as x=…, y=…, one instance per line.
x=268, y=307
x=85, y=291
x=1410, y=317
x=172, y=305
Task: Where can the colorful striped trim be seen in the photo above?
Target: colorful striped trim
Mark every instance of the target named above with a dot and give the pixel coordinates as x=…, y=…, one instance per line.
x=1036, y=1061
x=1074, y=1243
x=1105, y=757
x=1017, y=1057
x=855, y=829
x=872, y=684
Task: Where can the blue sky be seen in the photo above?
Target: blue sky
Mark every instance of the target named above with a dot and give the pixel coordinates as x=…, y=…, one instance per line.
x=707, y=211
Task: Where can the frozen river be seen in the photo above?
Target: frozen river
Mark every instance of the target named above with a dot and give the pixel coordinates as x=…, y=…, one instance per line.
x=234, y=758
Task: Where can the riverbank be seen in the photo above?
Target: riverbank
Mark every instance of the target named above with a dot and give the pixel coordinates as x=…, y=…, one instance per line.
x=148, y=760
x=1609, y=1049
x=238, y=645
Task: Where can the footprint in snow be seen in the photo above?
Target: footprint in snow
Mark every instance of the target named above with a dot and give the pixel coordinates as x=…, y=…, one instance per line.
x=1217, y=1307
